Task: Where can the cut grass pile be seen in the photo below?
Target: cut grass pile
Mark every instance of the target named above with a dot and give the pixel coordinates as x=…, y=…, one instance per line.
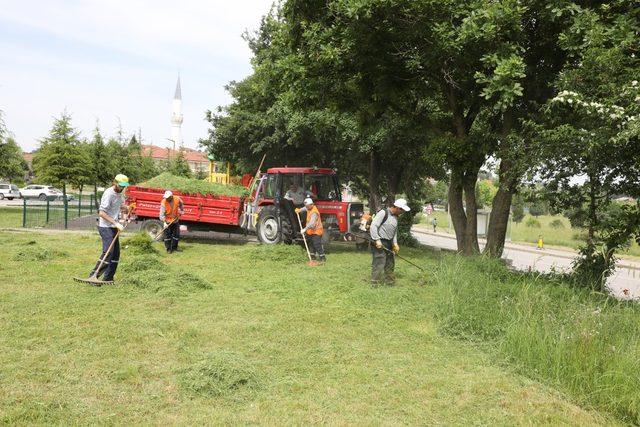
x=193, y=186
x=272, y=342
x=587, y=345
x=222, y=373
x=139, y=244
x=32, y=251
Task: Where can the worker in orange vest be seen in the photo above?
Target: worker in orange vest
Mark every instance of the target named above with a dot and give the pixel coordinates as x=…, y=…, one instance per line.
x=171, y=207
x=313, y=229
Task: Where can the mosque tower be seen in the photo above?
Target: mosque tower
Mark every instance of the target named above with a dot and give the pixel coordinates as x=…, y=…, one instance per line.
x=176, y=117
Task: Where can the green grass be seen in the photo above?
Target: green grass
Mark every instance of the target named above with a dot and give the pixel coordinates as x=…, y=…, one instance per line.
x=244, y=334
x=10, y=217
x=585, y=344
x=564, y=236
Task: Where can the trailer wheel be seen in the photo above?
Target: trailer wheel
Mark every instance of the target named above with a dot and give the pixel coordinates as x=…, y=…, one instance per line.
x=152, y=227
x=268, y=230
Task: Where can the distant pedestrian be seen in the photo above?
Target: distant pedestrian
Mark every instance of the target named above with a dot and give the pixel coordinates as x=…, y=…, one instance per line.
x=109, y=225
x=384, y=233
x=540, y=243
x=171, y=208
x=434, y=222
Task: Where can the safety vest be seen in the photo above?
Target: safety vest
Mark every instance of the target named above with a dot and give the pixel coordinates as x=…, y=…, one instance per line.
x=318, y=229
x=171, y=212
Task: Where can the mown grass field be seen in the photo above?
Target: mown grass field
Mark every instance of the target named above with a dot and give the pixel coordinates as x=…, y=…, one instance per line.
x=559, y=236
x=10, y=217
x=241, y=333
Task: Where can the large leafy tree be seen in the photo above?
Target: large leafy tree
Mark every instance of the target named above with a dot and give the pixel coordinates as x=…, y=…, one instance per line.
x=60, y=159
x=591, y=135
x=328, y=95
x=13, y=164
x=101, y=167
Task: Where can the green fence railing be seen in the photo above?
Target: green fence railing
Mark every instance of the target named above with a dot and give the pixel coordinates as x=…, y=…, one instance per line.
x=56, y=214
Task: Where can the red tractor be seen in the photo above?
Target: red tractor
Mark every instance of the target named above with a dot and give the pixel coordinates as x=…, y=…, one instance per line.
x=268, y=211
x=271, y=212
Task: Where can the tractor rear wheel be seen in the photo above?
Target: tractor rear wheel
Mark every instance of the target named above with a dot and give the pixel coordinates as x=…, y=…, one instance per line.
x=152, y=227
x=268, y=227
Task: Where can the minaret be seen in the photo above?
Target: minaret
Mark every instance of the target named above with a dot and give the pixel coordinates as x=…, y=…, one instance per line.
x=176, y=117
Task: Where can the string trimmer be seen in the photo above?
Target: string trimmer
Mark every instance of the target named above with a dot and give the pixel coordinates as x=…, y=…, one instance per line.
x=395, y=254
x=93, y=279
x=311, y=262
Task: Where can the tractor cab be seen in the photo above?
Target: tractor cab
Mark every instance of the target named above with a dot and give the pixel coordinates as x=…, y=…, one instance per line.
x=283, y=189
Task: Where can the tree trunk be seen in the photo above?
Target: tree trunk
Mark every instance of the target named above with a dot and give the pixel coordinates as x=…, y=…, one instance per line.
x=500, y=210
x=498, y=222
x=456, y=208
x=471, y=246
x=375, y=202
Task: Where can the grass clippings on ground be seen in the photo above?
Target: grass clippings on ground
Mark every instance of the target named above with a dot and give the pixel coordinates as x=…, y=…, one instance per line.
x=193, y=186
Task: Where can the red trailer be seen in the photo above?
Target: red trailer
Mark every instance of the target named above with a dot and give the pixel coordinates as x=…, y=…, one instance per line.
x=265, y=212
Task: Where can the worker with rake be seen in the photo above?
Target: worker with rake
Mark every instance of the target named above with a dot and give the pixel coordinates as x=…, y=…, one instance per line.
x=384, y=234
x=109, y=227
x=313, y=228
x=171, y=208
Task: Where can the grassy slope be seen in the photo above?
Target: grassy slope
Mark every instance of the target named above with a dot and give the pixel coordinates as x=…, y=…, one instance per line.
x=563, y=237
x=324, y=345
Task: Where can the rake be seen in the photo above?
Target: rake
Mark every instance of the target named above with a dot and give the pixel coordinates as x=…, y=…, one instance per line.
x=93, y=279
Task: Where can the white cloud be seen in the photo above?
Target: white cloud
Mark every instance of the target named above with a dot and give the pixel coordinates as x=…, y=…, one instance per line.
x=102, y=59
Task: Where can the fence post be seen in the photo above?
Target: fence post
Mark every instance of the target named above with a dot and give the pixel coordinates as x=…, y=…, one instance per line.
x=47, y=217
x=24, y=213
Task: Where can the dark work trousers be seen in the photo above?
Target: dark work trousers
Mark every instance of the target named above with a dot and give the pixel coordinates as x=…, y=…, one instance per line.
x=172, y=236
x=316, y=247
x=382, y=264
x=110, y=265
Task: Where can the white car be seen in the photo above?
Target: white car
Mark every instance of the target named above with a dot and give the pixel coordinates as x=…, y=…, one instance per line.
x=42, y=192
x=9, y=191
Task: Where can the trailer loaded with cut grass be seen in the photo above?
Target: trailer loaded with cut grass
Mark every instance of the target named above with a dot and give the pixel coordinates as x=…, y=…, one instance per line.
x=262, y=208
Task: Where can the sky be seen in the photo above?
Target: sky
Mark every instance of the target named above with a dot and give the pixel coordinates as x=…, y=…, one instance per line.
x=112, y=61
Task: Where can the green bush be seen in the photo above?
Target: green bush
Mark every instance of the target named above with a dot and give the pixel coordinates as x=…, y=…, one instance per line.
x=583, y=343
x=531, y=222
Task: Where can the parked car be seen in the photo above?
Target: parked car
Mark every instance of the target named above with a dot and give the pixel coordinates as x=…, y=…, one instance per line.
x=43, y=192
x=10, y=191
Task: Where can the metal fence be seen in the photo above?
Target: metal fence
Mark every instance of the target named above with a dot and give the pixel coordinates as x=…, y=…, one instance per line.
x=78, y=213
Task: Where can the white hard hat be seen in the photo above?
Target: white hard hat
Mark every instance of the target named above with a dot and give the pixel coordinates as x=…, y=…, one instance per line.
x=167, y=194
x=402, y=204
x=308, y=201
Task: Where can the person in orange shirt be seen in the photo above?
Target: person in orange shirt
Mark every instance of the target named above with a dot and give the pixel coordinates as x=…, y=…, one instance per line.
x=313, y=228
x=171, y=207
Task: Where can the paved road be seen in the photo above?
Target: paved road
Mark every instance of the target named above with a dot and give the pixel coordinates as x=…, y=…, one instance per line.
x=625, y=283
